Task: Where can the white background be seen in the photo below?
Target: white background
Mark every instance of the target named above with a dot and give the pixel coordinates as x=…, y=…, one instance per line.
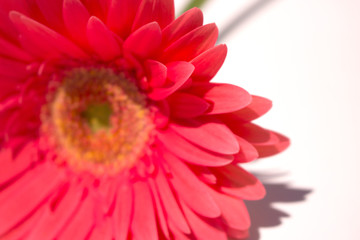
x=304, y=55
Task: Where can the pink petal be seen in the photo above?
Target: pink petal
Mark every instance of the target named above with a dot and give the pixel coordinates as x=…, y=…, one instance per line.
x=237, y=234
x=191, y=44
x=76, y=18
x=160, y=212
x=161, y=115
x=170, y=204
x=224, y=97
x=21, y=231
x=233, y=211
x=143, y=225
x=178, y=235
x=102, y=40
x=42, y=40
x=247, y=152
x=165, y=12
x=6, y=25
x=144, y=41
x=121, y=16
x=258, y=107
x=8, y=104
x=276, y=144
x=239, y=183
x=204, y=174
x=81, y=224
x=13, y=51
x=177, y=73
x=29, y=192
x=187, y=22
x=102, y=230
x=190, y=189
x=123, y=211
x=190, y=153
x=97, y=8
x=12, y=69
x=156, y=73
x=210, y=134
x=250, y=132
x=161, y=11
x=208, y=63
x=266, y=142
x=184, y=105
x=52, y=11
x=52, y=221
x=202, y=229
x=10, y=167
x=25, y=7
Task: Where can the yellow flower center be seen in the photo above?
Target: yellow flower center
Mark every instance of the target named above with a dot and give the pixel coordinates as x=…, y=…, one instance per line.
x=98, y=120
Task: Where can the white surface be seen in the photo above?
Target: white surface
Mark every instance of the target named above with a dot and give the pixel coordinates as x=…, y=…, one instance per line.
x=305, y=56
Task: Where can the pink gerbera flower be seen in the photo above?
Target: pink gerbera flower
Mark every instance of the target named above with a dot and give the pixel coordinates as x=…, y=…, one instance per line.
x=111, y=129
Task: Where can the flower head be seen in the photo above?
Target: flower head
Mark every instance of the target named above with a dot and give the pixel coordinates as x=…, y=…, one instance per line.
x=111, y=129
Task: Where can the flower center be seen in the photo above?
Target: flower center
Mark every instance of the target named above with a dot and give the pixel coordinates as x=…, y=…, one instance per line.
x=97, y=120
x=97, y=116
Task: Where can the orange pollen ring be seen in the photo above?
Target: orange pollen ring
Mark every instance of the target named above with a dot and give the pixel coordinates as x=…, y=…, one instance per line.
x=97, y=120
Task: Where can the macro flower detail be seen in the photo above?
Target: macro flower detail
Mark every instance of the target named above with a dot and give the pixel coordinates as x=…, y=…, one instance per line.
x=110, y=126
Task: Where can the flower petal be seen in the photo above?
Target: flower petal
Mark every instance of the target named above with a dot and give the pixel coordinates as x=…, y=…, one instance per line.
x=237, y=182
x=13, y=51
x=247, y=152
x=156, y=73
x=202, y=229
x=160, y=212
x=121, y=15
x=144, y=41
x=161, y=11
x=204, y=174
x=123, y=211
x=170, y=204
x=50, y=224
x=29, y=192
x=224, y=97
x=266, y=142
x=177, y=73
x=210, y=134
x=187, y=22
x=76, y=18
x=97, y=8
x=191, y=44
x=10, y=167
x=43, y=41
x=237, y=234
x=21, y=231
x=143, y=225
x=178, y=235
x=233, y=211
x=190, y=153
x=208, y=63
x=12, y=69
x=6, y=25
x=258, y=107
x=191, y=190
x=82, y=223
x=52, y=11
x=184, y=105
x=102, y=40
x=102, y=231
x=276, y=144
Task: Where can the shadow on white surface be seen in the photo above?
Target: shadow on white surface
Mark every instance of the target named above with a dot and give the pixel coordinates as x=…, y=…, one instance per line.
x=243, y=16
x=263, y=214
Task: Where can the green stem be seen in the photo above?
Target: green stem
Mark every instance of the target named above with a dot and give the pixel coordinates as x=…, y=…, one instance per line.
x=195, y=3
